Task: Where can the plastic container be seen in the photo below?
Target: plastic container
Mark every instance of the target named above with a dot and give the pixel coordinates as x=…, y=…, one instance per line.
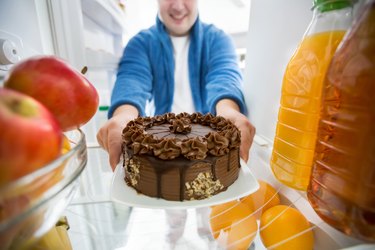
x=342, y=188
x=295, y=136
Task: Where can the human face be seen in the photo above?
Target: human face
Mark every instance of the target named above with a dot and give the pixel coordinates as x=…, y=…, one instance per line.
x=178, y=15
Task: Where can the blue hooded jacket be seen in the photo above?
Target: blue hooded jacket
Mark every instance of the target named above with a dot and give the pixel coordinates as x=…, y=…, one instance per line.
x=146, y=70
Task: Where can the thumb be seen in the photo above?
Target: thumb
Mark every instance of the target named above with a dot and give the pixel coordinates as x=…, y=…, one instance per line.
x=114, y=152
x=244, y=153
x=114, y=158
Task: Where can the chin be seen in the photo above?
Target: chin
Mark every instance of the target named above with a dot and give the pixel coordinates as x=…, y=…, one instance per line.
x=179, y=30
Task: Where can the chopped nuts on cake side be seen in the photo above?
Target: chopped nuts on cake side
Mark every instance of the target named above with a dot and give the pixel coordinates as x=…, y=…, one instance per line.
x=132, y=171
x=202, y=187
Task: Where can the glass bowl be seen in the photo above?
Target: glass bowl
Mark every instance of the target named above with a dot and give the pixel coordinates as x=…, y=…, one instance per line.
x=31, y=205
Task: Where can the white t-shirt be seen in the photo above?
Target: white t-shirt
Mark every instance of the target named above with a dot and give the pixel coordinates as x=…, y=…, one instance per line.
x=182, y=96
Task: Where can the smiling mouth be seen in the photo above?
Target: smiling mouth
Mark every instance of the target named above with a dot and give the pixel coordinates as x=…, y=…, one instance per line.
x=178, y=19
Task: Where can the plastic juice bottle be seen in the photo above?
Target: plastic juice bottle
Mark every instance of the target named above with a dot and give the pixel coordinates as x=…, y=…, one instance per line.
x=295, y=136
x=342, y=187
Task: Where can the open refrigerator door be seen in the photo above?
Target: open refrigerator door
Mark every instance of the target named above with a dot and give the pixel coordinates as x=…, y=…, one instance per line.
x=275, y=30
x=93, y=33
x=88, y=34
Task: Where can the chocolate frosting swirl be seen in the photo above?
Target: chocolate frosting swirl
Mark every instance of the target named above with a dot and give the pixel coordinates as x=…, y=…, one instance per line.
x=194, y=149
x=158, y=120
x=180, y=126
x=130, y=134
x=217, y=144
x=170, y=117
x=183, y=115
x=234, y=136
x=218, y=122
x=145, y=146
x=225, y=136
x=167, y=149
x=196, y=117
x=206, y=120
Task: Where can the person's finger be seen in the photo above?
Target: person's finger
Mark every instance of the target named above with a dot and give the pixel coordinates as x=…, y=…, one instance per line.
x=244, y=153
x=102, y=138
x=247, y=135
x=114, y=157
x=114, y=150
x=245, y=146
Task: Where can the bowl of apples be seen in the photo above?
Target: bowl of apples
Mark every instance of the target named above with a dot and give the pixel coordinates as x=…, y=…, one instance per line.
x=42, y=150
x=31, y=205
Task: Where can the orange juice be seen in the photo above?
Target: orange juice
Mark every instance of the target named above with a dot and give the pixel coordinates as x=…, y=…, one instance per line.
x=298, y=117
x=342, y=187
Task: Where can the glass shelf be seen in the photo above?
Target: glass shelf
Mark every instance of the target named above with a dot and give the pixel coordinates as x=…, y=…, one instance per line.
x=98, y=223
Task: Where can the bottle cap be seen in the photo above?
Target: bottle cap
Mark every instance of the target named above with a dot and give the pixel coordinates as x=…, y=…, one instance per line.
x=328, y=5
x=103, y=108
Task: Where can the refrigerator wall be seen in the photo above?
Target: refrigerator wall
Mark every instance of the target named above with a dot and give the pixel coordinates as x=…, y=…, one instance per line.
x=275, y=29
x=18, y=42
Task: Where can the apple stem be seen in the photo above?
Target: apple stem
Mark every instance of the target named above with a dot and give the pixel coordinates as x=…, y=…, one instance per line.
x=84, y=70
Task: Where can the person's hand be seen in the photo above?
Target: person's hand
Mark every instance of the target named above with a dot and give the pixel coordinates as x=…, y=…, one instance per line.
x=109, y=136
x=247, y=133
x=229, y=109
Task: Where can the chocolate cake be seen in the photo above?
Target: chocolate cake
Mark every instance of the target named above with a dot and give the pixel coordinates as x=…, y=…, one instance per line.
x=181, y=157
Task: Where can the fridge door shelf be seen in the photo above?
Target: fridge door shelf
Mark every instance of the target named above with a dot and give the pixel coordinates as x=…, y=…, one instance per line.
x=326, y=237
x=106, y=14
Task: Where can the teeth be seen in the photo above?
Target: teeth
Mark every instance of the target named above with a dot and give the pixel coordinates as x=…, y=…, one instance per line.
x=178, y=17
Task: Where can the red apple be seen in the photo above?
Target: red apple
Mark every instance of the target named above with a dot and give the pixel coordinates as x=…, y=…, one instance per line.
x=62, y=89
x=30, y=136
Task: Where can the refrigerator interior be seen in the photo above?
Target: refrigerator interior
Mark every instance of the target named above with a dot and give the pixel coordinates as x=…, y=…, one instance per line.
x=93, y=33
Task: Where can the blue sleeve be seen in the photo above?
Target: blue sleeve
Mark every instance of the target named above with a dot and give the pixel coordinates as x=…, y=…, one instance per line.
x=134, y=79
x=224, y=77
